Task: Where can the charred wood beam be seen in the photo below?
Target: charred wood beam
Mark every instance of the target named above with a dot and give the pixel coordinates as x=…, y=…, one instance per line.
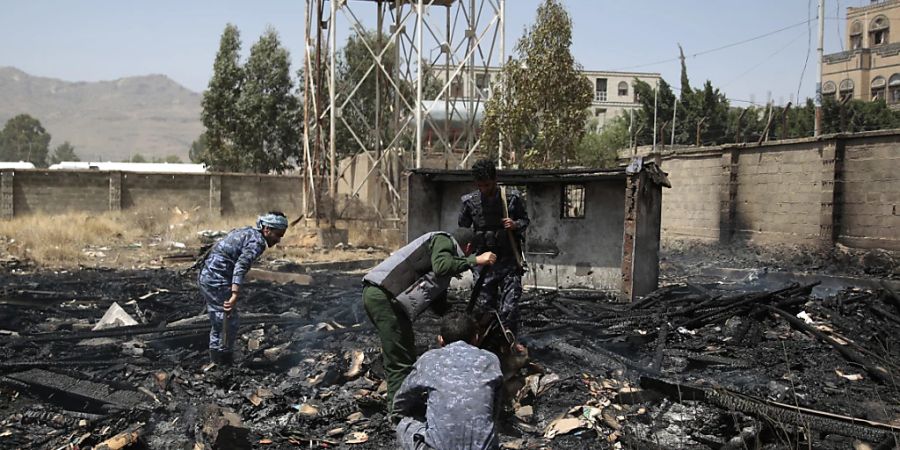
x=661, y=346
x=754, y=300
x=891, y=295
x=151, y=329
x=777, y=413
x=67, y=389
x=886, y=313
x=592, y=358
x=653, y=297
x=19, y=365
x=879, y=373
x=709, y=359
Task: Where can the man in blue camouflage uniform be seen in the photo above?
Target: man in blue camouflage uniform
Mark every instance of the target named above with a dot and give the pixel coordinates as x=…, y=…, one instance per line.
x=483, y=210
x=449, y=400
x=223, y=273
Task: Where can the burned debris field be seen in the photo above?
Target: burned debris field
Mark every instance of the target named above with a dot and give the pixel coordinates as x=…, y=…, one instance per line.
x=755, y=364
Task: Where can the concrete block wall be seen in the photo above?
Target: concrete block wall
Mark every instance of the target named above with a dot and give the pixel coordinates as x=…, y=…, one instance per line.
x=869, y=194
x=55, y=191
x=812, y=192
x=778, y=193
x=49, y=192
x=691, y=207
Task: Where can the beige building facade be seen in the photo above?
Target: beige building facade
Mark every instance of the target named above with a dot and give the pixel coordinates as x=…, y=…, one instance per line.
x=870, y=68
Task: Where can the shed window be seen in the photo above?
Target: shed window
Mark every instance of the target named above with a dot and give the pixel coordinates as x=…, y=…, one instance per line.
x=572, y=205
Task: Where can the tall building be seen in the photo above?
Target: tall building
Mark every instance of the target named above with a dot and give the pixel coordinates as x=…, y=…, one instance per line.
x=870, y=68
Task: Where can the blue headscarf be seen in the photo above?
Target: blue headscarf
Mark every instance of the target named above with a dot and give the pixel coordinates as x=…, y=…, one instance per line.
x=273, y=221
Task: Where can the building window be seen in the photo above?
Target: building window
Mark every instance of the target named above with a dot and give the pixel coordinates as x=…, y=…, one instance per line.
x=878, y=31
x=600, y=93
x=846, y=88
x=829, y=89
x=894, y=88
x=856, y=35
x=623, y=89
x=878, y=88
x=456, y=88
x=572, y=205
x=483, y=83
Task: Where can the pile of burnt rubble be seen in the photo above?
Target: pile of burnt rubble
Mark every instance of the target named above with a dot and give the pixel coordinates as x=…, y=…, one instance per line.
x=689, y=366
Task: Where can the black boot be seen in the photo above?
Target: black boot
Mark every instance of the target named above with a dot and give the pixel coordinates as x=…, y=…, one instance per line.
x=215, y=357
x=227, y=358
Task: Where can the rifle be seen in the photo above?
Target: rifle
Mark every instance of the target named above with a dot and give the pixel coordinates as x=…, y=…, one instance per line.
x=513, y=241
x=476, y=290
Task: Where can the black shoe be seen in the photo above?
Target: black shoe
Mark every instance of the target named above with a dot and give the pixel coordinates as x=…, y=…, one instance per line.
x=227, y=358
x=216, y=357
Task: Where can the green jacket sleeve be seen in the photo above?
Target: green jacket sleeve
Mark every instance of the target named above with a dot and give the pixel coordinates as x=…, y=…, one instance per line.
x=444, y=259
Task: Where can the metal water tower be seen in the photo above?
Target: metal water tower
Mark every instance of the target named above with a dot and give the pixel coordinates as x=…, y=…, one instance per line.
x=437, y=46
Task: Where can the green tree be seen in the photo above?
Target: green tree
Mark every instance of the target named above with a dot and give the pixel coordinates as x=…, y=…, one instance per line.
x=220, y=104
x=198, y=148
x=685, y=82
x=543, y=95
x=857, y=115
x=362, y=116
x=24, y=139
x=269, y=134
x=662, y=101
x=64, y=152
x=600, y=149
x=137, y=158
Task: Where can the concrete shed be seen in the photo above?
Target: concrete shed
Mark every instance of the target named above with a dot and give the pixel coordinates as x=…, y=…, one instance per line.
x=595, y=229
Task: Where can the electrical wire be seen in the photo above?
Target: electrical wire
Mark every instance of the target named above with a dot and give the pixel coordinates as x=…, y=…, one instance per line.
x=734, y=44
x=755, y=66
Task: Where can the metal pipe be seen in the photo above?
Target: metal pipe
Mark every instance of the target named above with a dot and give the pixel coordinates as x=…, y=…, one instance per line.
x=420, y=24
x=819, y=54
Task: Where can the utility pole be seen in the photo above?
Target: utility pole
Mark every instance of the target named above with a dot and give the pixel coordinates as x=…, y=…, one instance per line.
x=819, y=53
x=674, y=116
x=655, y=101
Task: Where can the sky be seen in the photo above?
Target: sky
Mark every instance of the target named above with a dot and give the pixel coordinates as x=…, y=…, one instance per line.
x=95, y=40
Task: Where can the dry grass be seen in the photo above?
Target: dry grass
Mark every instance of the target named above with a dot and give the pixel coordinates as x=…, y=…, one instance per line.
x=111, y=239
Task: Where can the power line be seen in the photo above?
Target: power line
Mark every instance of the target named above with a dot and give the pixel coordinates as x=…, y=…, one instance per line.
x=770, y=56
x=734, y=44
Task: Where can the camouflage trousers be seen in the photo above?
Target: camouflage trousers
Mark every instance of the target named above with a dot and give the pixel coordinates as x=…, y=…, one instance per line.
x=411, y=434
x=215, y=299
x=501, y=291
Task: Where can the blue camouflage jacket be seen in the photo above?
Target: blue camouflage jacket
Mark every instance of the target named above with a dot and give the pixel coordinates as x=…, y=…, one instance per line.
x=230, y=258
x=457, y=385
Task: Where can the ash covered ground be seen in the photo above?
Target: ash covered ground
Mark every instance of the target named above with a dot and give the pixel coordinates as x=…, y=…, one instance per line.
x=700, y=364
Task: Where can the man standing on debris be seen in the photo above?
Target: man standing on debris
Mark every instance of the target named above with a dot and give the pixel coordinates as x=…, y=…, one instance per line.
x=223, y=273
x=449, y=399
x=500, y=230
x=413, y=278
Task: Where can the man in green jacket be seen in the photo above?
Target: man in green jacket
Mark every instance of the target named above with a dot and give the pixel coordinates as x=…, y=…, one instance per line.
x=408, y=282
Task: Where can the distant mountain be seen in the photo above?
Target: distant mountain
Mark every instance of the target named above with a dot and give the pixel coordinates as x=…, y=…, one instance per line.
x=110, y=120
